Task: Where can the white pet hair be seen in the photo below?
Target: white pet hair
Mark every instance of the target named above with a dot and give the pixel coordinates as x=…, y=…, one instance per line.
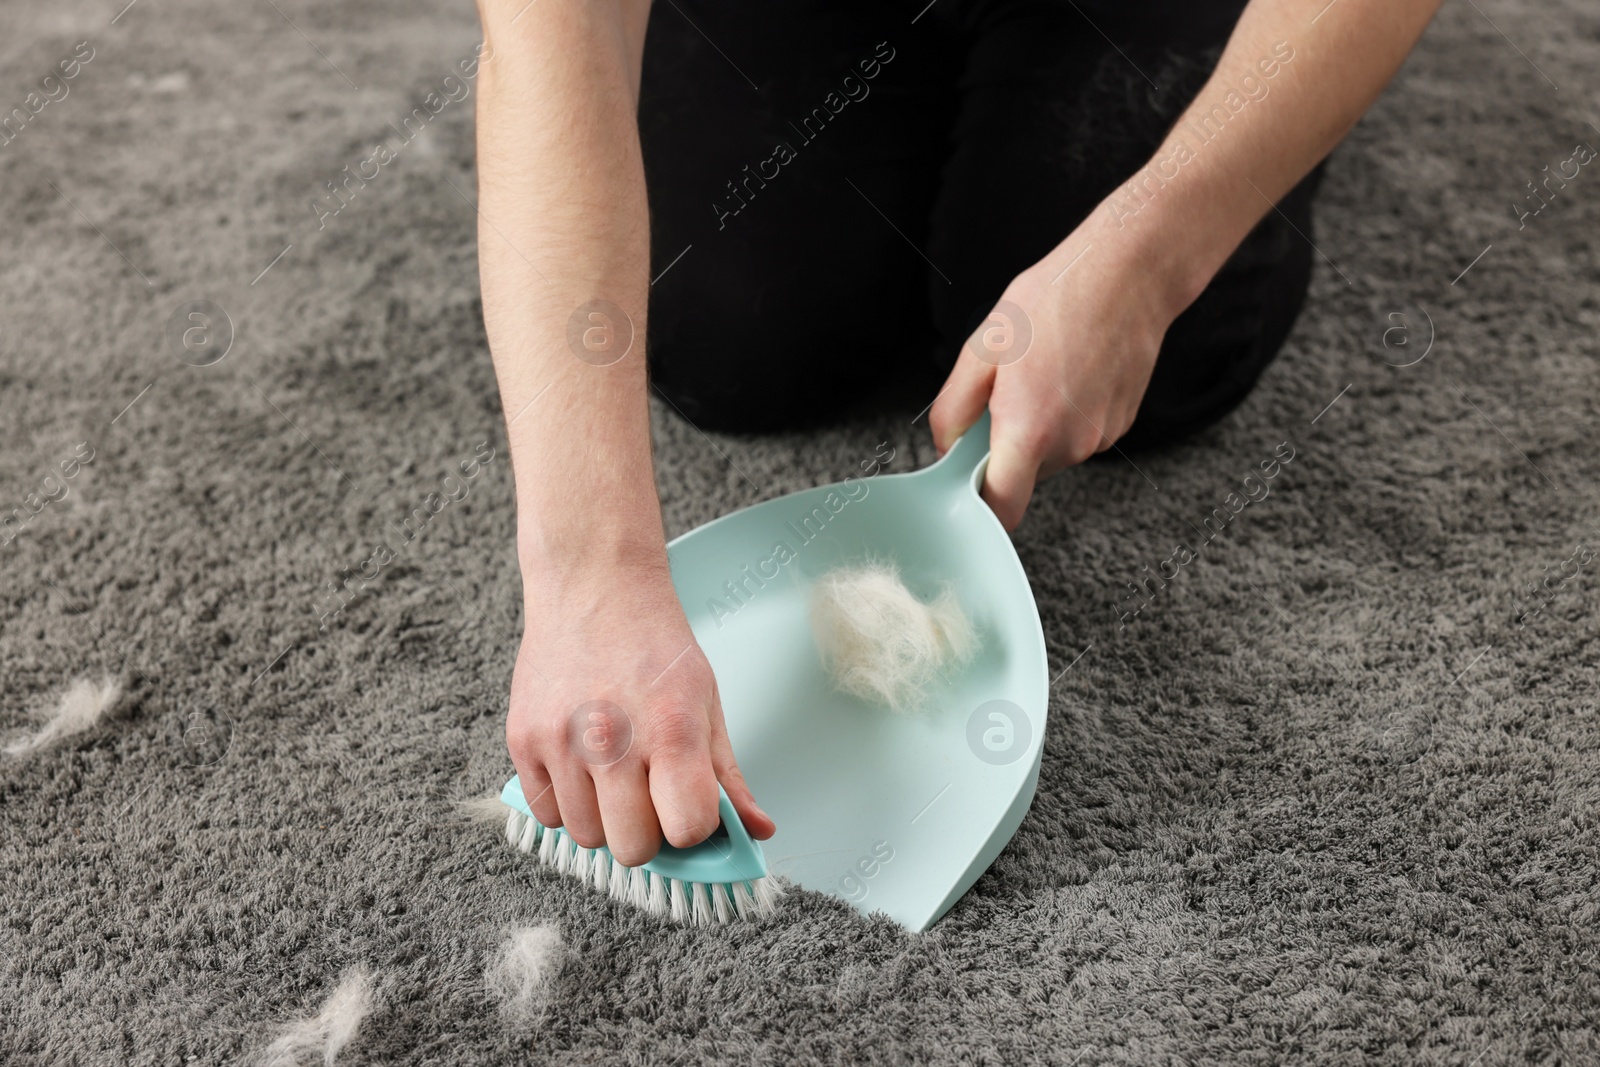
x=80, y=708
x=488, y=808
x=522, y=974
x=880, y=642
x=324, y=1035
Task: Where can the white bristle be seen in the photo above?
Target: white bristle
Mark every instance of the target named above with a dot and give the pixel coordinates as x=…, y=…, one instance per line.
x=619, y=881
x=566, y=853
x=658, y=894
x=766, y=893
x=701, y=901
x=697, y=903
x=740, y=891
x=547, y=846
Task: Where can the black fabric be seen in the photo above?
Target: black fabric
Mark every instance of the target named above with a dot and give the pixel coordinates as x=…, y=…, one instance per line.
x=797, y=283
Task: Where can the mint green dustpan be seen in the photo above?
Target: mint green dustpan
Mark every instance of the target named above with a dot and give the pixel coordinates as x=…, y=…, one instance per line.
x=896, y=813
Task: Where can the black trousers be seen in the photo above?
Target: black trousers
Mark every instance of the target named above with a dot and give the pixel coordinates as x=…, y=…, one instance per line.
x=841, y=189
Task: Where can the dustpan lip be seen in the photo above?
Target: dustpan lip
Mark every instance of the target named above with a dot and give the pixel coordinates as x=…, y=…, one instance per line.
x=973, y=482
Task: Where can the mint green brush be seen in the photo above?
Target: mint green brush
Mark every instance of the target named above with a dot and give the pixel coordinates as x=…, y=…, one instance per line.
x=719, y=880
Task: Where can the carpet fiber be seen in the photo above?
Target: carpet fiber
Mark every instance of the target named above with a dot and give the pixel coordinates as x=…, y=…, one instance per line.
x=1329, y=797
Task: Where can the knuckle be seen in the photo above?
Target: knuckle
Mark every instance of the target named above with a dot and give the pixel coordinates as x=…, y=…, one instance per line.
x=586, y=837
x=549, y=734
x=1034, y=437
x=692, y=818
x=547, y=811
x=678, y=728
x=521, y=734
x=636, y=851
x=682, y=831
x=1081, y=444
x=599, y=733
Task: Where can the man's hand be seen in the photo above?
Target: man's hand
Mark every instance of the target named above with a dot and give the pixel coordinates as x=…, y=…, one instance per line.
x=615, y=725
x=1097, y=322
x=1062, y=364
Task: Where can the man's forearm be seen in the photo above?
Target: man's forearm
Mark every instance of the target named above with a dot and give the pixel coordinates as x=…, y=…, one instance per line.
x=563, y=224
x=1284, y=93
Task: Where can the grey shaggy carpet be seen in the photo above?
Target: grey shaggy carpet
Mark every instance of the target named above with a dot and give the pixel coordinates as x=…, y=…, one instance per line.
x=1324, y=800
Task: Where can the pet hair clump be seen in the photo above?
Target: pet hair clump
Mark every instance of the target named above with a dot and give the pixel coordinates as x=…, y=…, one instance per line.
x=883, y=645
x=321, y=1037
x=83, y=706
x=522, y=974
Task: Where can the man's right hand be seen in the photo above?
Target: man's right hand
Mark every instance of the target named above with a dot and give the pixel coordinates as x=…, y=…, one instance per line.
x=615, y=725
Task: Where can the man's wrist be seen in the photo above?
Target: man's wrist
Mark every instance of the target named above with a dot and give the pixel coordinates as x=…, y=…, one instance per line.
x=556, y=547
x=1121, y=256
x=1174, y=242
x=604, y=570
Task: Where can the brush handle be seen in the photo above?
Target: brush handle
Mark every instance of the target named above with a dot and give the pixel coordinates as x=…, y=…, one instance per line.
x=733, y=857
x=968, y=458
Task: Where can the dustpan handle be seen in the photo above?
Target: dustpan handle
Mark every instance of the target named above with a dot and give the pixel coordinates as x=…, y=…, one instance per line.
x=967, y=459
